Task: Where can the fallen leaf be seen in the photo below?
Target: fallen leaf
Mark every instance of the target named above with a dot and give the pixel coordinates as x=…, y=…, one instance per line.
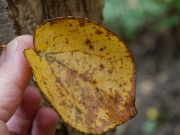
x=86, y=72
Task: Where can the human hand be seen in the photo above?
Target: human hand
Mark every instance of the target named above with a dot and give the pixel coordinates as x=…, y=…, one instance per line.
x=19, y=113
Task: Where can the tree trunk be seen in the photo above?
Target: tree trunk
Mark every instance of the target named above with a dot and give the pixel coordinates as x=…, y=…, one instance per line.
x=19, y=17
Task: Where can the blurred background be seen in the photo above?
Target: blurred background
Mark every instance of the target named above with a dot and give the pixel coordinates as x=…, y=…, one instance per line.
x=151, y=28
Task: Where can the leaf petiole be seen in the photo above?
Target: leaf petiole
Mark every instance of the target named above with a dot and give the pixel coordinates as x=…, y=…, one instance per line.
x=4, y=46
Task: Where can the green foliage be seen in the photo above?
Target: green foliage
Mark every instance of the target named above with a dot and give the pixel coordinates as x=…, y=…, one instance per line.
x=129, y=15
x=149, y=127
x=168, y=22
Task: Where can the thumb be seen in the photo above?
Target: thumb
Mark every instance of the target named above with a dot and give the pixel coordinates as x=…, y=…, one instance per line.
x=15, y=74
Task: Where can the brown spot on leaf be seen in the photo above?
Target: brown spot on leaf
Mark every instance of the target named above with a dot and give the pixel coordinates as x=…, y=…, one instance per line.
x=84, y=77
x=45, y=83
x=81, y=23
x=97, y=89
x=67, y=42
x=110, y=71
x=88, y=42
x=94, y=82
x=91, y=47
x=124, y=84
x=98, y=32
x=101, y=49
x=52, y=23
x=101, y=66
x=61, y=94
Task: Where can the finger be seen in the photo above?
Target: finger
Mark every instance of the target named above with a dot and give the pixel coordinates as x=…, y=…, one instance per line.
x=26, y=39
x=3, y=128
x=15, y=74
x=21, y=121
x=45, y=122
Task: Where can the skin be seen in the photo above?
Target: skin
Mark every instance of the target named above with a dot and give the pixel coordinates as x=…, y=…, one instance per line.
x=19, y=102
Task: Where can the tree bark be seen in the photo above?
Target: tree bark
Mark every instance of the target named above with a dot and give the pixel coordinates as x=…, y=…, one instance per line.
x=18, y=17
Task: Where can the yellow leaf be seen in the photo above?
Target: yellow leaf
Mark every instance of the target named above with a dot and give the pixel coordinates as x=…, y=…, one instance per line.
x=86, y=72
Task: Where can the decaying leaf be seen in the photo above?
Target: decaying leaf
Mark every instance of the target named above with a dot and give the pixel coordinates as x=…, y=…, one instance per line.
x=86, y=72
